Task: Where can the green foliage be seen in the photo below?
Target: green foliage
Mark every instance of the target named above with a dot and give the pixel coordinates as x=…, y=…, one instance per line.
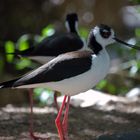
x=22, y=42
x=137, y=32
x=101, y=84
x=48, y=30
x=9, y=48
x=107, y=86
x=44, y=96
x=83, y=32
x=23, y=63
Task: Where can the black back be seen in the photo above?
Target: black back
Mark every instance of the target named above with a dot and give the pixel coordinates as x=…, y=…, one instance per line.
x=55, y=46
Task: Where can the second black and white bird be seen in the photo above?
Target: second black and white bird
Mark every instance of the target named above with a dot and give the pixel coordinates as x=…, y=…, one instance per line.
x=54, y=45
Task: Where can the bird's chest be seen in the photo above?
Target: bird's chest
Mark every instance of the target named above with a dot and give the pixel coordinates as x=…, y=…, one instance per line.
x=100, y=67
x=87, y=80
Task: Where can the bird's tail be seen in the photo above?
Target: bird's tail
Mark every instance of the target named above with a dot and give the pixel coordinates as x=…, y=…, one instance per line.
x=8, y=84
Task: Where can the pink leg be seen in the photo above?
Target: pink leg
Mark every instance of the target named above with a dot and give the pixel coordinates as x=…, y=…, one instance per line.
x=65, y=120
x=58, y=120
x=31, y=117
x=62, y=125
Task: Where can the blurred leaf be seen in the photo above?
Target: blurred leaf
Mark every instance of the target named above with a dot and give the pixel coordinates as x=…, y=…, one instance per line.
x=37, y=92
x=38, y=38
x=137, y=32
x=133, y=52
x=123, y=90
x=48, y=30
x=23, y=42
x=44, y=95
x=111, y=88
x=9, y=48
x=138, y=64
x=83, y=32
x=101, y=84
x=106, y=86
x=23, y=63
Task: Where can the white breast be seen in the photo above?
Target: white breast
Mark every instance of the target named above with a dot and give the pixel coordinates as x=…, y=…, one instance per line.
x=87, y=80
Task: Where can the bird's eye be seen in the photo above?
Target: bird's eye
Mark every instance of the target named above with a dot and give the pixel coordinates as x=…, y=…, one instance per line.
x=105, y=33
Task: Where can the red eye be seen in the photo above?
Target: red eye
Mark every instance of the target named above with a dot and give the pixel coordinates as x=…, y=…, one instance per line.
x=105, y=33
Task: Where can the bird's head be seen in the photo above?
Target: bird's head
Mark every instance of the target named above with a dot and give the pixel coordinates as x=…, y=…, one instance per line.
x=72, y=22
x=103, y=35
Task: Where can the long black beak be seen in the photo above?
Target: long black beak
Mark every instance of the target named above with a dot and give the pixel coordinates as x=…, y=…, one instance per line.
x=129, y=45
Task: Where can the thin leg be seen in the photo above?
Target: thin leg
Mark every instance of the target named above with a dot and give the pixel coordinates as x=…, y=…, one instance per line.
x=31, y=117
x=65, y=120
x=31, y=113
x=55, y=100
x=58, y=120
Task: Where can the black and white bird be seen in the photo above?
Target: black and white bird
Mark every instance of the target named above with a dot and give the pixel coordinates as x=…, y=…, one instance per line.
x=72, y=73
x=57, y=44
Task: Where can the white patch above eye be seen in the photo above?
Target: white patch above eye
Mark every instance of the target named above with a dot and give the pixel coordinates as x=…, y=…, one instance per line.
x=96, y=30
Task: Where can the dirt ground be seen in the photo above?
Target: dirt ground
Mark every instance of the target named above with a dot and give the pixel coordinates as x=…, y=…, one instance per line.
x=84, y=123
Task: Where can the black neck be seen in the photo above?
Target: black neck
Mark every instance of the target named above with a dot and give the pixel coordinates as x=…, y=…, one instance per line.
x=93, y=44
x=72, y=27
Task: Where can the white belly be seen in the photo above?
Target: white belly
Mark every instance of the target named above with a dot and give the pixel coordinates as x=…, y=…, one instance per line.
x=85, y=81
x=82, y=82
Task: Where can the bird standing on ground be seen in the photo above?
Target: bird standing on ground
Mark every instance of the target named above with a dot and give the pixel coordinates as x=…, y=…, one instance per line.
x=72, y=73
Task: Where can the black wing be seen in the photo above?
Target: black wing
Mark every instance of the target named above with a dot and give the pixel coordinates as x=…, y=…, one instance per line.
x=59, y=69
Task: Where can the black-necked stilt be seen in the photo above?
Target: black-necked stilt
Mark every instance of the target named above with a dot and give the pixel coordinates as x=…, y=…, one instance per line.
x=54, y=45
x=73, y=72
